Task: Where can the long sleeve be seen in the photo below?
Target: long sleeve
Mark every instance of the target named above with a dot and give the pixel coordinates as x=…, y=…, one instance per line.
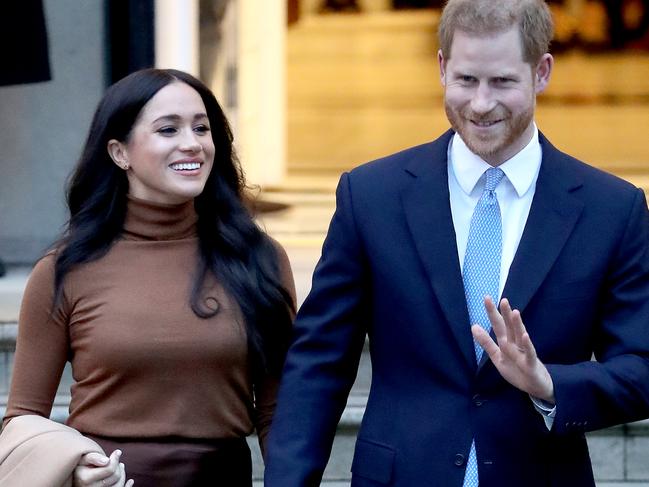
x=266, y=389
x=41, y=348
x=614, y=388
x=126, y=324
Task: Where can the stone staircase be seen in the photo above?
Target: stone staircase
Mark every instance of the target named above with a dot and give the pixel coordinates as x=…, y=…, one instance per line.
x=620, y=455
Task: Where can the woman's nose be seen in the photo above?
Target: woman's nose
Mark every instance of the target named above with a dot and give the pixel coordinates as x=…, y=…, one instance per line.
x=190, y=141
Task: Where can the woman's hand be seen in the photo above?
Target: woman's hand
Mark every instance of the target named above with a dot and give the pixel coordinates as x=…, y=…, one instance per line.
x=97, y=470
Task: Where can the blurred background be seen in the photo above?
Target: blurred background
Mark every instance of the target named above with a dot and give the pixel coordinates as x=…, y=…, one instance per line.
x=312, y=89
x=365, y=83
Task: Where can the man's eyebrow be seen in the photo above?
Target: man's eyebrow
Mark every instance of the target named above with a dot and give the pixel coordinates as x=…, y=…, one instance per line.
x=507, y=74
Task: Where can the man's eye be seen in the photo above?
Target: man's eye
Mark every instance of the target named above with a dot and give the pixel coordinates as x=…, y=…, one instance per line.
x=467, y=79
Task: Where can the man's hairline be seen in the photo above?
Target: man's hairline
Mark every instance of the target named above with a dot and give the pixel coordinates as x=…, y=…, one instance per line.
x=492, y=33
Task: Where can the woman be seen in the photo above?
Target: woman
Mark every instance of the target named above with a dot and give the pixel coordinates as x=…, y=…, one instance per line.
x=173, y=307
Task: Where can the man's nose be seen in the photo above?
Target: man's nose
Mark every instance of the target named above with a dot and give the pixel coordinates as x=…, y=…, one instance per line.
x=483, y=100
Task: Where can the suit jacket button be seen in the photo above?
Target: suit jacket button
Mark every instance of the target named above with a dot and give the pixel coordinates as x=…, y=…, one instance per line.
x=477, y=400
x=459, y=460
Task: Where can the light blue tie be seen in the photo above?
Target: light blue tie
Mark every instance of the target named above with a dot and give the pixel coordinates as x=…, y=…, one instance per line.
x=481, y=274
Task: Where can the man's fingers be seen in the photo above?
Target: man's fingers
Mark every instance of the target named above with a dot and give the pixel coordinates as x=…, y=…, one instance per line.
x=517, y=326
x=513, y=324
x=529, y=347
x=495, y=318
x=485, y=341
x=521, y=339
x=507, y=316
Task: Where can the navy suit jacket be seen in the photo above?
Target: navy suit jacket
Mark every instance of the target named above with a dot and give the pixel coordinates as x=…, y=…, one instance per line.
x=390, y=269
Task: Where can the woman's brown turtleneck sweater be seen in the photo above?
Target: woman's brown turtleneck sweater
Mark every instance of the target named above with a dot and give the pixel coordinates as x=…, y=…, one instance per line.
x=144, y=364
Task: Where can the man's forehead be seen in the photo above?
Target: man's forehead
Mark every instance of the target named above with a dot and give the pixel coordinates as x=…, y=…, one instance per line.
x=488, y=36
x=488, y=48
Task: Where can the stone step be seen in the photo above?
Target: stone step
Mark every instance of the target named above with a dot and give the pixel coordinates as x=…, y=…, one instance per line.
x=12, y=285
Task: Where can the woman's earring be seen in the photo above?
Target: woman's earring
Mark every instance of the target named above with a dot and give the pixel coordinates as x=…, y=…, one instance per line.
x=125, y=166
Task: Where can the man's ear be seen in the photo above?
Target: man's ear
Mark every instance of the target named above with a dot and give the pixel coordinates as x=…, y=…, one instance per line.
x=117, y=152
x=543, y=72
x=442, y=67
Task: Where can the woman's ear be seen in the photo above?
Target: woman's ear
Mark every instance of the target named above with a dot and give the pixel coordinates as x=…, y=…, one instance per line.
x=117, y=152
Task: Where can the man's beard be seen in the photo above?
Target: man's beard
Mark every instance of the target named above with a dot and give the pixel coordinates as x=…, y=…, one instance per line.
x=511, y=129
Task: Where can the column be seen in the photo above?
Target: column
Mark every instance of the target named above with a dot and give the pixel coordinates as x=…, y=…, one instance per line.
x=261, y=125
x=177, y=35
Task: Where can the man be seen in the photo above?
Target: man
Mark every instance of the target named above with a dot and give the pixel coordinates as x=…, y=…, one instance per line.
x=420, y=243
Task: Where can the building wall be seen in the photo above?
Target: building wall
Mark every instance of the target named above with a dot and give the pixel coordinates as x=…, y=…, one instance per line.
x=43, y=126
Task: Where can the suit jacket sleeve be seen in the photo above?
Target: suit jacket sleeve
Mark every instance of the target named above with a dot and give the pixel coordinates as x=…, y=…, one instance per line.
x=323, y=360
x=613, y=388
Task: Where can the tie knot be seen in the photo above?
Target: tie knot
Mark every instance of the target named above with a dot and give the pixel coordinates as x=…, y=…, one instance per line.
x=493, y=176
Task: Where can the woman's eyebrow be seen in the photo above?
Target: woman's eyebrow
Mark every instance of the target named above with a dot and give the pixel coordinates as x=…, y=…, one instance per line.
x=174, y=117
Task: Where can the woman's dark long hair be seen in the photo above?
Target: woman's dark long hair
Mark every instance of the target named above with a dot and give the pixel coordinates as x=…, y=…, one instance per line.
x=232, y=247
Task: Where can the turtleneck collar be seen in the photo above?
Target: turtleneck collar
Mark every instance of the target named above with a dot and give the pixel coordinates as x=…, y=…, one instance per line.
x=146, y=220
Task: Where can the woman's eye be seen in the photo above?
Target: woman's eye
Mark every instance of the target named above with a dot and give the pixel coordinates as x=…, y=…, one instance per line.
x=202, y=129
x=167, y=130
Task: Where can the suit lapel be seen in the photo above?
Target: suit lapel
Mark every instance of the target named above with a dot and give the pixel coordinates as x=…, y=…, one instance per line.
x=428, y=213
x=553, y=215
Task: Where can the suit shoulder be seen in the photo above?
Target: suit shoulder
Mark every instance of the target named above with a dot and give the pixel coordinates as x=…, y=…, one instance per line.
x=392, y=169
x=397, y=161
x=599, y=179
x=584, y=175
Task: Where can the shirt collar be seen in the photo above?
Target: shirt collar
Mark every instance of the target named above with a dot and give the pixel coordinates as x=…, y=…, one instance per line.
x=521, y=170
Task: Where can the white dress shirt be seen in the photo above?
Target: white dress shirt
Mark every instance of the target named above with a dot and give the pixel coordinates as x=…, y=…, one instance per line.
x=515, y=192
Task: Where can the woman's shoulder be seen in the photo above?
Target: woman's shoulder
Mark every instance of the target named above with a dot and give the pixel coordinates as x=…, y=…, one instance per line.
x=283, y=261
x=45, y=266
x=279, y=248
x=41, y=278
x=284, y=266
